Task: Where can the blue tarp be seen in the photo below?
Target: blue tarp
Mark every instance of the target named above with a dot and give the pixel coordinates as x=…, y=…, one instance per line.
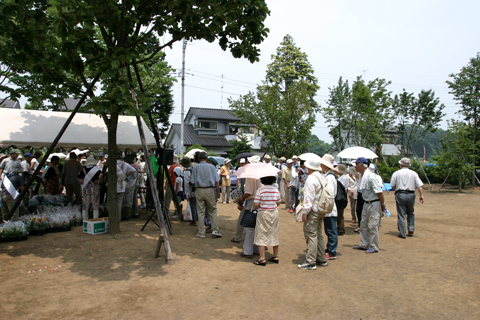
x=387, y=187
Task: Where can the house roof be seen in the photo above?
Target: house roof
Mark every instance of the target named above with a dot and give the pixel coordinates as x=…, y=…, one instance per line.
x=192, y=137
x=71, y=103
x=390, y=149
x=12, y=104
x=210, y=113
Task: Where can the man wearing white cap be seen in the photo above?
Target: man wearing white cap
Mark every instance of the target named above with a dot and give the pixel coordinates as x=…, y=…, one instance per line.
x=5, y=165
x=295, y=161
x=374, y=204
x=405, y=181
x=266, y=159
x=226, y=182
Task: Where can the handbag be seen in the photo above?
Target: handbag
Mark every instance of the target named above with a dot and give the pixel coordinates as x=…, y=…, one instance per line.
x=188, y=213
x=249, y=219
x=298, y=213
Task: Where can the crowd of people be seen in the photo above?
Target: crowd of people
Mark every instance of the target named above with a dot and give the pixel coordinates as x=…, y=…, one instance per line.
x=82, y=177
x=299, y=184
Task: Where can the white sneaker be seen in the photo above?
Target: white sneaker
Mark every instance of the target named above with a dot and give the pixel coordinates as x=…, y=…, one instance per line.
x=307, y=266
x=201, y=235
x=223, y=201
x=216, y=234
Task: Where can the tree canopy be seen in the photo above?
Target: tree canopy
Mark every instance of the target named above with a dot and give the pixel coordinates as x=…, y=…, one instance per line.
x=60, y=48
x=415, y=117
x=365, y=114
x=358, y=115
x=283, y=107
x=317, y=146
x=465, y=86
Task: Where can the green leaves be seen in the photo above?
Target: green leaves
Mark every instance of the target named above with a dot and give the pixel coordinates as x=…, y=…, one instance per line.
x=465, y=86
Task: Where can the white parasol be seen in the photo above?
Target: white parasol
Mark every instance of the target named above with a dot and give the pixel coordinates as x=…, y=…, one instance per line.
x=356, y=152
x=60, y=155
x=310, y=156
x=190, y=154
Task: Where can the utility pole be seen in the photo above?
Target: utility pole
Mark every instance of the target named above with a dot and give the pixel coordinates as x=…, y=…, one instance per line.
x=221, y=101
x=182, y=125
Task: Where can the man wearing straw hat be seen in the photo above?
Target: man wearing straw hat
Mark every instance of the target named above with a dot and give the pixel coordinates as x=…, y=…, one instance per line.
x=405, y=181
x=312, y=219
x=330, y=220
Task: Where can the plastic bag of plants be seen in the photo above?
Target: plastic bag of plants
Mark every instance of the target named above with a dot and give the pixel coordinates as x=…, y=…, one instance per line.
x=13, y=231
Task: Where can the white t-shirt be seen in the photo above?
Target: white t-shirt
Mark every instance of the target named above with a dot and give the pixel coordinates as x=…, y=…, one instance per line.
x=35, y=163
x=179, y=184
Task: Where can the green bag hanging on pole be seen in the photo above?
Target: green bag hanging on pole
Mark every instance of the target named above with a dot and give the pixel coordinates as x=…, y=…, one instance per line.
x=155, y=166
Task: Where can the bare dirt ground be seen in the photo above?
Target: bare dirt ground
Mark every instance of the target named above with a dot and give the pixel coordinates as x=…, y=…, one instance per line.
x=433, y=275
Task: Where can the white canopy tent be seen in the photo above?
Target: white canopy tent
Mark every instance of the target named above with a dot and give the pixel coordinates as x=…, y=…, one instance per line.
x=22, y=128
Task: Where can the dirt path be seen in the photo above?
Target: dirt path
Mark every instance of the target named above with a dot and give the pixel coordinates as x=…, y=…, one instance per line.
x=433, y=275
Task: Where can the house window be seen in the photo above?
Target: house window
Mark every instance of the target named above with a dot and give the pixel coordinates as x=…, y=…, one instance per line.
x=236, y=129
x=207, y=125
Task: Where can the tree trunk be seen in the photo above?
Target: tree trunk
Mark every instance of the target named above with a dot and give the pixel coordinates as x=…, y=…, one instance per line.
x=460, y=180
x=112, y=200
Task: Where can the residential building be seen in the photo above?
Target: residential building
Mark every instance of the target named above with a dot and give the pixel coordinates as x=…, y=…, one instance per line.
x=212, y=129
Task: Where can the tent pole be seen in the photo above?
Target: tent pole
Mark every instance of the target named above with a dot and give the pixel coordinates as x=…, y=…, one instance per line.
x=445, y=180
x=416, y=157
x=162, y=168
x=18, y=200
x=164, y=235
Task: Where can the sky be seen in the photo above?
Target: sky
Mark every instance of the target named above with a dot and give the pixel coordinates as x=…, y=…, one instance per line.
x=413, y=44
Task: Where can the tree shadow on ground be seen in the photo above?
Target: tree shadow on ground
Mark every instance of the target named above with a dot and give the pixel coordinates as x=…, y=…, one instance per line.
x=118, y=257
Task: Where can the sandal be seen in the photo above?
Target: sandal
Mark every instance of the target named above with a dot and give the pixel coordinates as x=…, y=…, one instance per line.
x=236, y=241
x=354, y=221
x=274, y=260
x=262, y=262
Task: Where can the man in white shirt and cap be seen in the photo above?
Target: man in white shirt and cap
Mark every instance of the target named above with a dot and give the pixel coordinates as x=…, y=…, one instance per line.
x=374, y=204
x=266, y=159
x=405, y=182
x=5, y=165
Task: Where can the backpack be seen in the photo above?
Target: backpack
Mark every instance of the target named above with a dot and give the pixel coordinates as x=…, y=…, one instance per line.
x=341, y=198
x=326, y=200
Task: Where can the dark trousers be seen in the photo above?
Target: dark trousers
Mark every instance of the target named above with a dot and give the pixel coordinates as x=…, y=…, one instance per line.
x=330, y=224
x=360, y=203
x=103, y=194
x=193, y=208
x=38, y=179
x=340, y=221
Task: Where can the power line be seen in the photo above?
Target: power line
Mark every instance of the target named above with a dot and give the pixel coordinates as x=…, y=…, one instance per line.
x=187, y=85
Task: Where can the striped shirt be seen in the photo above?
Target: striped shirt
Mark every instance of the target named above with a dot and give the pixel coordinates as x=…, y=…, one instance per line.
x=268, y=196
